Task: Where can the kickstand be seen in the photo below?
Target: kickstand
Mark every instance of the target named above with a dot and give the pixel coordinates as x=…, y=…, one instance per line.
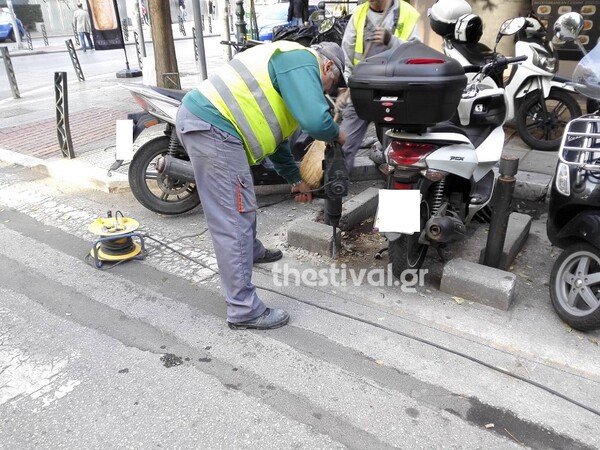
x=381, y=252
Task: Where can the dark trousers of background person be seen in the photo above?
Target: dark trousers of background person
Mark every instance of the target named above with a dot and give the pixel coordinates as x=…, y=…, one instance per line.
x=82, y=35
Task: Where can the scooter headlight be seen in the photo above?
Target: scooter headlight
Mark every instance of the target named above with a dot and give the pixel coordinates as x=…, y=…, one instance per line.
x=544, y=61
x=563, y=184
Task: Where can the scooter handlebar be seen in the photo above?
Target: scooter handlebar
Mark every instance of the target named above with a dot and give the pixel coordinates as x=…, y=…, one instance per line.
x=516, y=59
x=501, y=62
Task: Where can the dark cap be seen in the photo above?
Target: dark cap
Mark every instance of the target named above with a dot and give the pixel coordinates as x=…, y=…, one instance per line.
x=333, y=52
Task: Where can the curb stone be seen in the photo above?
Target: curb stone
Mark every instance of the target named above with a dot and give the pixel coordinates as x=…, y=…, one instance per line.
x=481, y=284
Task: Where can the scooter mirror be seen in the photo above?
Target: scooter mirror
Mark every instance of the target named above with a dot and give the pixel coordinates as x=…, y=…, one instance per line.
x=511, y=26
x=568, y=26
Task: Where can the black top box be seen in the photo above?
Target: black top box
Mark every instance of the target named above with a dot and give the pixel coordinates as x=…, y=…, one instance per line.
x=409, y=85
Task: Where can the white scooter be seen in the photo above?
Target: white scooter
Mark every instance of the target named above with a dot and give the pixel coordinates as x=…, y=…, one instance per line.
x=450, y=164
x=539, y=101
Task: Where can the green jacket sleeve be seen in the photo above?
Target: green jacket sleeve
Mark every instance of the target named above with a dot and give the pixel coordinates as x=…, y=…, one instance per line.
x=285, y=164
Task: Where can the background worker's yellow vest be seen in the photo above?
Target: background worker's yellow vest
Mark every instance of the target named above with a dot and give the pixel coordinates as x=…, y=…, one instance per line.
x=407, y=20
x=243, y=92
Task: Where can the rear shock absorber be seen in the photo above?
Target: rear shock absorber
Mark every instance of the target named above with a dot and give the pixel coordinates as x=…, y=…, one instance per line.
x=438, y=195
x=173, y=142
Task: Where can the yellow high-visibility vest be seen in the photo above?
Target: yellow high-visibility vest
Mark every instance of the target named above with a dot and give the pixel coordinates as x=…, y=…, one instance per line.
x=407, y=20
x=243, y=93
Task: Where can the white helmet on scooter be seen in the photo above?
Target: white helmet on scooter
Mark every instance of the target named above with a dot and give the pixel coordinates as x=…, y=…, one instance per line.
x=444, y=14
x=469, y=28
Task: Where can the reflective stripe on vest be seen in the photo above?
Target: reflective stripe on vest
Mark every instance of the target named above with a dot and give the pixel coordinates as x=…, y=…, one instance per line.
x=407, y=20
x=242, y=91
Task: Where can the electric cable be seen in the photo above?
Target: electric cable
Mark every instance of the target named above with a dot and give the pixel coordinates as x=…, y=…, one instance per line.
x=106, y=265
x=166, y=244
x=403, y=334
x=174, y=250
x=439, y=347
x=284, y=199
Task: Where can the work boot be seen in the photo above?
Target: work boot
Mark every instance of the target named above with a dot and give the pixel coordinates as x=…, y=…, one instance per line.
x=270, y=319
x=269, y=256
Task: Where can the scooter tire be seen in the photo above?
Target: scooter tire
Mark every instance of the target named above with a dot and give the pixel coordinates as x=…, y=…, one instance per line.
x=157, y=192
x=406, y=254
x=541, y=133
x=567, y=284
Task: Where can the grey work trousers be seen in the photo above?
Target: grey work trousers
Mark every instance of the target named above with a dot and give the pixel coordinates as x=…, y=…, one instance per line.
x=226, y=190
x=355, y=129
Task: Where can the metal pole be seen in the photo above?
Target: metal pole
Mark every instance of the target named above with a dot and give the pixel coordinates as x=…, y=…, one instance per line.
x=138, y=50
x=140, y=31
x=44, y=35
x=10, y=73
x=76, y=34
x=241, y=23
x=74, y=60
x=125, y=30
x=505, y=186
x=181, y=25
x=199, y=39
x=29, y=41
x=13, y=19
x=195, y=40
x=63, y=130
x=225, y=35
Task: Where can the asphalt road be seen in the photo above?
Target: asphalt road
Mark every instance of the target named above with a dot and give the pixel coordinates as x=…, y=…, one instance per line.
x=139, y=355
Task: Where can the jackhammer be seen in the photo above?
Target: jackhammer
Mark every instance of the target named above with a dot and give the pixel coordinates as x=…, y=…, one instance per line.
x=335, y=187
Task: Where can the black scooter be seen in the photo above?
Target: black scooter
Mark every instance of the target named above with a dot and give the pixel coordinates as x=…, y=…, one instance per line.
x=574, y=210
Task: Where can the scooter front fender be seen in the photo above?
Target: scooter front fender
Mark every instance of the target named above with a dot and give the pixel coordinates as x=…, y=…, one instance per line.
x=584, y=226
x=563, y=83
x=532, y=84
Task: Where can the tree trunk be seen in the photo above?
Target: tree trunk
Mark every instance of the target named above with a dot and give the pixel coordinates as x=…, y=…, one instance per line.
x=165, y=60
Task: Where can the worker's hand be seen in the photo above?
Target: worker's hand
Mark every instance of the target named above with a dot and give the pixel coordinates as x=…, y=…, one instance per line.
x=381, y=36
x=341, y=137
x=304, y=195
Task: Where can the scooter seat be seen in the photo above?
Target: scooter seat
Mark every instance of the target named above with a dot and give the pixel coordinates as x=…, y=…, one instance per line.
x=475, y=52
x=175, y=94
x=475, y=134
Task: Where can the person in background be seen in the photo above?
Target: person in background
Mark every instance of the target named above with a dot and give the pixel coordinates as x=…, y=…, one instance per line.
x=298, y=12
x=375, y=26
x=182, y=10
x=144, y=12
x=81, y=22
x=238, y=116
x=211, y=9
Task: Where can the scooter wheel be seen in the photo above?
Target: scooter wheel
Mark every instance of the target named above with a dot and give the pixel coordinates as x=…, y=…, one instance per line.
x=406, y=253
x=406, y=256
x=541, y=124
x=575, y=286
x=157, y=192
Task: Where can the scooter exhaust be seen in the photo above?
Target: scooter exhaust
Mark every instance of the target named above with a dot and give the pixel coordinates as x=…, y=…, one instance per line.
x=175, y=168
x=444, y=229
